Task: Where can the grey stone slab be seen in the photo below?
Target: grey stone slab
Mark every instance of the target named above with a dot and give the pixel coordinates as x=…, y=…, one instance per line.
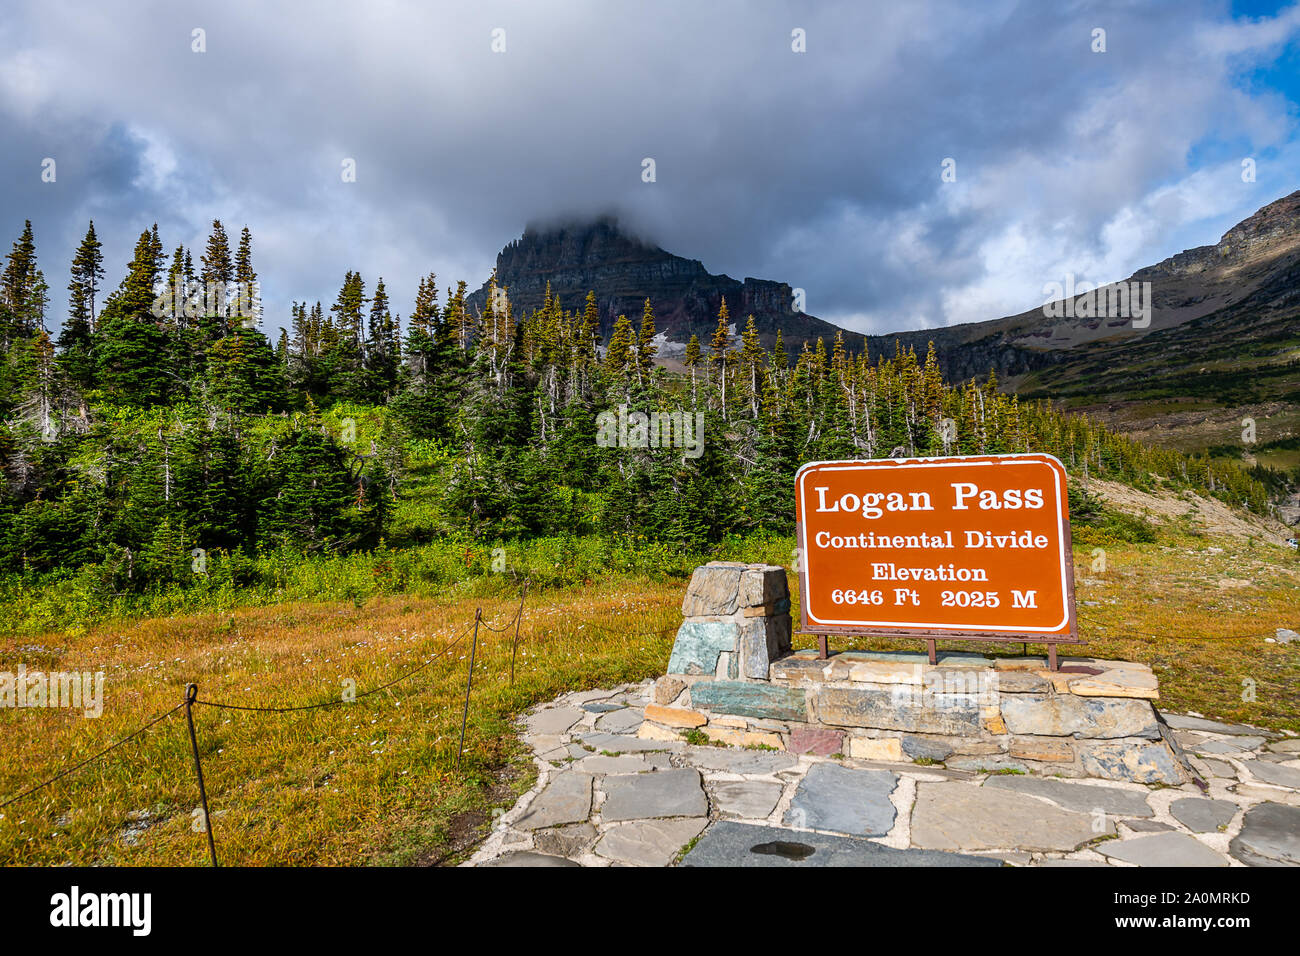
x=831, y=797
x=1270, y=836
x=1201, y=815
x=567, y=841
x=698, y=644
x=624, y=763
x=1082, y=797
x=566, y=799
x=1022, y=682
x=762, y=585
x=714, y=590
x=619, y=743
x=1179, y=722
x=919, y=748
x=750, y=699
x=1147, y=826
x=750, y=799
x=991, y=763
x=904, y=707
x=749, y=762
x=962, y=659
x=527, y=858
x=732, y=844
x=1220, y=768
x=1134, y=761
x=762, y=640
x=1230, y=745
x=649, y=842
x=602, y=707
x=1274, y=773
x=1289, y=746
x=664, y=793
x=1287, y=759
x=1064, y=715
x=963, y=816
x=584, y=697
x=1162, y=849
x=625, y=721
x=553, y=721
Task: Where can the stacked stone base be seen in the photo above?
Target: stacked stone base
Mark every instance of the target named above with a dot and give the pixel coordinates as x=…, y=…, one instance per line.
x=733, y=681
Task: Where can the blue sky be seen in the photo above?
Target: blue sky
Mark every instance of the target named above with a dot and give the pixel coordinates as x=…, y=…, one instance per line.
x=820, y=168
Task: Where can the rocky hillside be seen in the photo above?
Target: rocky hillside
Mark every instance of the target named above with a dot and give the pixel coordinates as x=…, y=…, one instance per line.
x=1222, y=347
x=1248, y=281
x=624, y=271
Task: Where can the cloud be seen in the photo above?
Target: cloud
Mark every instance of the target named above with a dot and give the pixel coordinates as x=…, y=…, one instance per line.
x=820, y=168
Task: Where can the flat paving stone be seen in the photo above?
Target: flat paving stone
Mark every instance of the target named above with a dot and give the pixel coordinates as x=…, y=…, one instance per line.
x=750, y=799
x=1147, y=826
x=618, y=743
x=586, y=696
x=1230, y=745
x=831, y=797
x=1270, y=836
x=602, y=707
x=1083, y=797
x=1162, y=849
x=649, y=842
x=566, y=799
x=962, y=816
x=528, y=858
x=727, y=843
x=553, y=721
x=625, y=763
x=1274, y=773
x=623, y=721
x=1221, y=768
x=739, y=761
x=1289, y=746
x=664, y=793
x=1179, y=722
x=1201, y=815
x=567, y=841
x=1071, y=863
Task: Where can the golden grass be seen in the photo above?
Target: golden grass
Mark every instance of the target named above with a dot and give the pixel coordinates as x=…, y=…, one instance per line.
x=367, y=782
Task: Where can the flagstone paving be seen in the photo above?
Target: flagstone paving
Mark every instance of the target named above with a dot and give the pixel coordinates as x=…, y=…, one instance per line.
x=606, y=796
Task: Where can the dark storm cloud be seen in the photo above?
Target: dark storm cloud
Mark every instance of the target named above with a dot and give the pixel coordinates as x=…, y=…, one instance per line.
x=819, y=168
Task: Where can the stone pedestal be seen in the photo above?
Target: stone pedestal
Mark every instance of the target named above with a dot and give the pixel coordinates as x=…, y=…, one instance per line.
x=733, y=678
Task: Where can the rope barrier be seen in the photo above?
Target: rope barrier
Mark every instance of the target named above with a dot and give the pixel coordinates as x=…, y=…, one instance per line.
x=106, y=750
x=192, y=697
x=334, y=703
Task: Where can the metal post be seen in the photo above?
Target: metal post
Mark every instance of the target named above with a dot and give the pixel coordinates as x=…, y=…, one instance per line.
x=514, y=648
x=469, y=683
x=191, y=694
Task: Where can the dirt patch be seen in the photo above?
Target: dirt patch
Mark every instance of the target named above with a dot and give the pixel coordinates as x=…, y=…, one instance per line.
x=1205, y=514
x=467, y=830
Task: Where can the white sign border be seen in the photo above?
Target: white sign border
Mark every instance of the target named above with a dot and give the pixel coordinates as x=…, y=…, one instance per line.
x=1035, y=458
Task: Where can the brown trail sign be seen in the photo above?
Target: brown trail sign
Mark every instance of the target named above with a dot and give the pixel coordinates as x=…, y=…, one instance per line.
x=973, y=547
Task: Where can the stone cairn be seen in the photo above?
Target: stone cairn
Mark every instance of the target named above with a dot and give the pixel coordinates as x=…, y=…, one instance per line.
x=734, y=680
